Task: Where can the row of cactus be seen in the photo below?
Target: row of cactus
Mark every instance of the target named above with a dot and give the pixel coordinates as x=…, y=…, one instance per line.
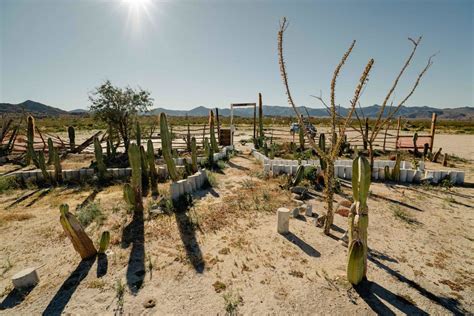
x=79, y=238
x=55, y=160
x=133, y=191
x=166, y=147
x=358, y=221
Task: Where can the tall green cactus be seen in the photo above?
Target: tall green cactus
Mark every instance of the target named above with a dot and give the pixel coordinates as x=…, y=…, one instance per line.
x=104, y=242
x=151, y=166
x=99, y=158
x=358, y=221
x=133, y=191
x=166, y=147
x=58, y=171
x=396, y=168
x=209, y=152
x=386, y=173
x=138, y=133
x=72, y=137
x=215, y=147
x=75, y=232
x=322, y=146
x=145, y=176
x=42, y=166
x=30, y=149
x=194, y=163
x=188, y=139
x=261, y=135
x=415, y=146
x=265, y=148
x=50, y=151
x=301, y=136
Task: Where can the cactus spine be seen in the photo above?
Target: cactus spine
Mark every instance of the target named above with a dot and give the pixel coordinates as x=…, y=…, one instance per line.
x=358, y=221
x=72, y=137
x=166, y=147
x=261, y=135
x=42, y=165
x=99, y=158
x=75, y=232
x=215, y=147
x=151, y=165
x=30, y=151
x=194, y=154
x=50, y=151
x=322, y=146
x=58, y=171
x=144, y=165
x=133, y=191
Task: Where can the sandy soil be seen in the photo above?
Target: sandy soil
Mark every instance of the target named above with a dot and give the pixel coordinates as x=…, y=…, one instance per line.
x=224, y=254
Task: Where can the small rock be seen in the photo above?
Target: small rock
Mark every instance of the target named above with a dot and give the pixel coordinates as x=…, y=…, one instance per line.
x=149, y=303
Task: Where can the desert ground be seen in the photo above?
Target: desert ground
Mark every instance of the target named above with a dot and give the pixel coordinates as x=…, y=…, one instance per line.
x=223, y=255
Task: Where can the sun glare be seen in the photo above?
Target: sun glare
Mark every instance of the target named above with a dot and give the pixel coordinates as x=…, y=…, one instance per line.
x=139, y=12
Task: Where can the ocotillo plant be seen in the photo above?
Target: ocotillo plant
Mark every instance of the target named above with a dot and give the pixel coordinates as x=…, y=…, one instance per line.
x=215, y=147
x=261, y=134
x=42, y=166
x=145, y=176
x=50, y=151
x=30, y=150
x=151, y=166
x=99, y=159
x=58, y=171
x=358, y=221
x=166, y=147
x=194, y=154
x=138, y=134
x=72, y=137
x=133, y=192
x=322, y=147
x=75, y=232
x=396, y=168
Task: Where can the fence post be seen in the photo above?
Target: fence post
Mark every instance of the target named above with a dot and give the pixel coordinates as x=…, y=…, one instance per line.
x=399, y=123
x=433, y=129
x=254, y=122
x=218, y=127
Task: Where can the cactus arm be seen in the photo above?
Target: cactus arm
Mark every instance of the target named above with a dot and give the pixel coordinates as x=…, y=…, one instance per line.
x=99, y=158
x=104, y=242
x=58, y=171
x=50, y=151
x=42, y=165
x=166, y=147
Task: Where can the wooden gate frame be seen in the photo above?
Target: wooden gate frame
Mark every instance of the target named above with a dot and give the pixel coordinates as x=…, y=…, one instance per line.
x=241, y=105
x=434, y=116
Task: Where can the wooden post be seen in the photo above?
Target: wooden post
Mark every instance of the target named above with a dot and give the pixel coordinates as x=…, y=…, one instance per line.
x=254, y=122
x=399, y=124
x=218, y=126
x=433, y=130
x=232, y=124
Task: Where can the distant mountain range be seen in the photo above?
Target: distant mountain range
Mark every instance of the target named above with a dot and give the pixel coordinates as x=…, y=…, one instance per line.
x=415, y=112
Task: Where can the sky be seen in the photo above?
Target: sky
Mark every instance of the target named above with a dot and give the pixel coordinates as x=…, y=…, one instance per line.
x=213, y=53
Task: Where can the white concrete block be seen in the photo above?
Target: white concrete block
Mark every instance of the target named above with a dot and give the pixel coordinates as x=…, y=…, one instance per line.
x=174, y=190
x=460, y=177
x=375, y=173
x=182, y=186
x=381, y=173
x=410, y=175
x=25, y=279
x=403, y=175
x=417, y=176
x=283, y=217
x=452, y=177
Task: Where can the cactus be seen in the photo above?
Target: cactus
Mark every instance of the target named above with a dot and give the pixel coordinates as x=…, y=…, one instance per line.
x=144, y=164
x=322, y=146
x=298, y=177
x=194, y=155
x=426, y=148
x=42, y=165
x=396, y=168
x=151, y=165
x=133, y=191
x=166, y=147
x=386, y=173
x=104, y=242
x=188, y=139
x=445, y=160
x=415, y=146
x=272, y=151
x=75, y=232
x=58, y=171
x=50, y=151
x=99, y=159
x=30, y=150
x=72, y=137
x=138, y=134
x=265, y=148
x=209, y=152
x=301, y=136
x=358, y=221
x=261, y=135
x=215, y=147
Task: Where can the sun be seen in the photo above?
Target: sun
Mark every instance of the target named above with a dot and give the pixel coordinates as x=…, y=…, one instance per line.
x=137, y=4
x=139, y=12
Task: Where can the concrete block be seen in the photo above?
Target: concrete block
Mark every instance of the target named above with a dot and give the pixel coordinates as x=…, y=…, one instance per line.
x=417, y=176
x=410, y=175
x=403, y=175
x=283, y=218
x=174, y=190
x=375, y=173
x=25, y=279
x=381, y=173
x=460, y=177
x=309, y=210
x=192, y=182
x=182, y=187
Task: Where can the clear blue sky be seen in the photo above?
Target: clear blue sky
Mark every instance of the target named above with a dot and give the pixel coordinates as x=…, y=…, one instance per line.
x=212, y=53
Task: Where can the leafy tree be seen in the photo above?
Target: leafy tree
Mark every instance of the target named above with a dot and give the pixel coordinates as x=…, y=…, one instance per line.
x=118, y=107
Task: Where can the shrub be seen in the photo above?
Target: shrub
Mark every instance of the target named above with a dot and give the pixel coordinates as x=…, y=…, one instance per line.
x=92, y=212
x=7, y=184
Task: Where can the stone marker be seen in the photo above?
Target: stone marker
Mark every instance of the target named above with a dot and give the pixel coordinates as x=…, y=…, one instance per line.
x=283, y=220
x=309, y=210
x=25, y=279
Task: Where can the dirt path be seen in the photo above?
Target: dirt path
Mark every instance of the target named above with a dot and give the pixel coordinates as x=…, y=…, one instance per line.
x=224, y=253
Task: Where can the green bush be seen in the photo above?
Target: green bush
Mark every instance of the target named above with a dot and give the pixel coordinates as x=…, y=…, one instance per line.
x=311, y=174
x=7, y=184
x=92, y=212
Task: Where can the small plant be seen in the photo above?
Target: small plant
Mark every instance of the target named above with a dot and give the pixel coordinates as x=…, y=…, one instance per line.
x=92, y=212
x=119, y=293
x=211, y=179
x=232, y=302
x=7, y=266
x=7, y=184
x=404, y=216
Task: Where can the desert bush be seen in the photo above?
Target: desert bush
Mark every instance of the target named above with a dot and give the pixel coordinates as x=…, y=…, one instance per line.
x=92, y=212
x=7, y=184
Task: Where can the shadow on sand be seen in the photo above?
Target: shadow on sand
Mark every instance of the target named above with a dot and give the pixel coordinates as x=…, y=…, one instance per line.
x=15, y=297
x=310, y=251
x=134, y=234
